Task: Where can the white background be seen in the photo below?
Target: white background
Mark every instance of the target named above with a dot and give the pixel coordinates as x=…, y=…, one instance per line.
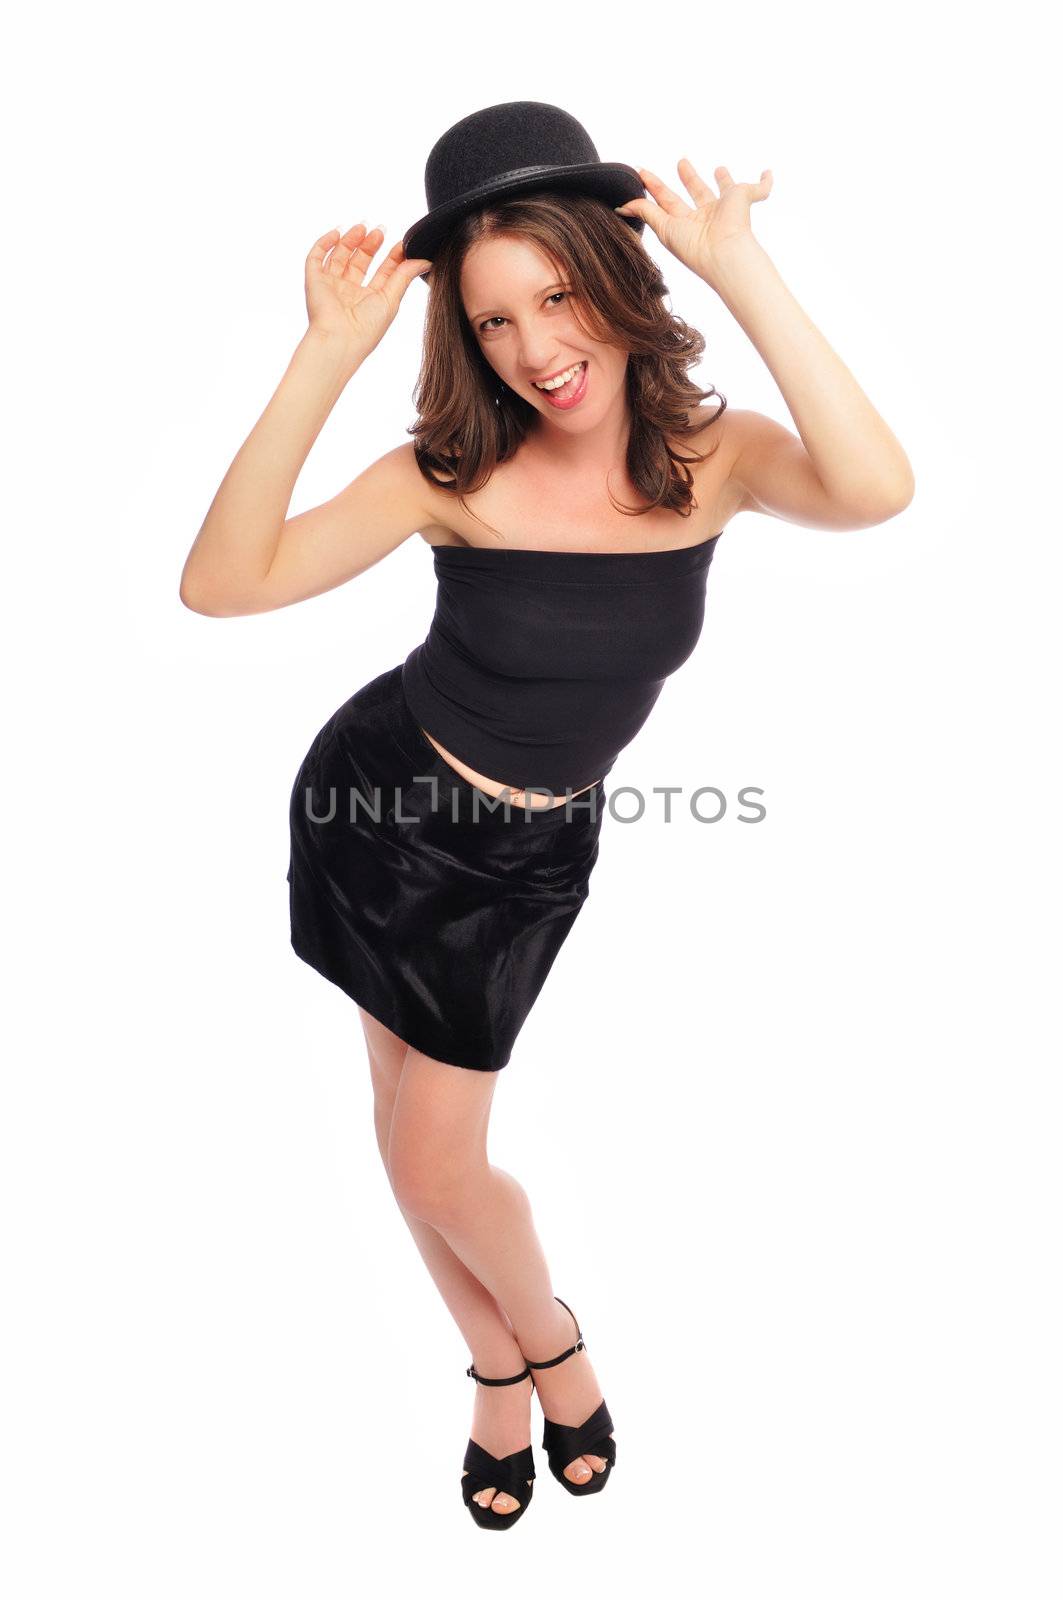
x=788, y=1107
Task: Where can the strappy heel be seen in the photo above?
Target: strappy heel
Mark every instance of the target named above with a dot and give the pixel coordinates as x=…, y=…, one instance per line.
x=592, y=1437
x=513, y=1474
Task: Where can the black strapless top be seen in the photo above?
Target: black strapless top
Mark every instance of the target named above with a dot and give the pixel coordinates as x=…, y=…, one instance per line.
x=541, y=665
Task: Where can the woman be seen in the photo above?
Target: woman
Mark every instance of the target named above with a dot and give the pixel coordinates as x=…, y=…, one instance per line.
x=553, y=405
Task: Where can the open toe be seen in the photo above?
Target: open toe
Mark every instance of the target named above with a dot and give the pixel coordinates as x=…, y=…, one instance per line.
x=512, y=1475
x=594, y=1436
x=591, y=1462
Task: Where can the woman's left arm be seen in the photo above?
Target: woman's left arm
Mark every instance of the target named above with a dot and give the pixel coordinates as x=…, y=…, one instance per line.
x=847, y=469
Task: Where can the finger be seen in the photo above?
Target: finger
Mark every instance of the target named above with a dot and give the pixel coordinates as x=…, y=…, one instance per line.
x=666, y=198
x=696, y=184
x=389, y=266
x=761, y=190
x=353, y=261
x=354, y=234
x=397, y=266
x=342, y=247
x=723, y=178
x=323, y=245
x=647, y=210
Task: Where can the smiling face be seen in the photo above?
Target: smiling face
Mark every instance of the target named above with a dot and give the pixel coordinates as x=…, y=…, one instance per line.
x=521, y=315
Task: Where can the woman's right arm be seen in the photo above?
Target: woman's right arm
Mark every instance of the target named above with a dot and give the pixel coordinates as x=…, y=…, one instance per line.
x=248, y=556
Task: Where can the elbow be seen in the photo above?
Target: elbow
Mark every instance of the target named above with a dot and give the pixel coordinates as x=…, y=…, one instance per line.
x=207, y=601
x=888, y=504
x=891, y=509
x=202, y=604
x=904, y=495
x=189, y=592
x=192, y=599
x=902, y=492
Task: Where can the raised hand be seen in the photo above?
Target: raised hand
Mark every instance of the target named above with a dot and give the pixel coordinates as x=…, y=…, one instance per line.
x=696, y=234
x=339, y=302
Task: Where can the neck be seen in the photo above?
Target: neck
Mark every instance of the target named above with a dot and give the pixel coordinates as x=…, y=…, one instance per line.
x=593, y=453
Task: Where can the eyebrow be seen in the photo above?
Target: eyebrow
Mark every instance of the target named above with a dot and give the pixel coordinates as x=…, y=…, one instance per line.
x=478, y=316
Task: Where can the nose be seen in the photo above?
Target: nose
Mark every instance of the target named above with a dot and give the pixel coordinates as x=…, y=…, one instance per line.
x=536, y=358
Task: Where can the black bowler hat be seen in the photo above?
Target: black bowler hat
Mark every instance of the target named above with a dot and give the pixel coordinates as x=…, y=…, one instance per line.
x=511, y=149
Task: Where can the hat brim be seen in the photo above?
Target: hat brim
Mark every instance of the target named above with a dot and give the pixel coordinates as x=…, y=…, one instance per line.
x=612, y=182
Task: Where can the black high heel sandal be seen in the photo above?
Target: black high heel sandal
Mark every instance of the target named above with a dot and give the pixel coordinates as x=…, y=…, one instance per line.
x=513, y=1474
x=592, y=1437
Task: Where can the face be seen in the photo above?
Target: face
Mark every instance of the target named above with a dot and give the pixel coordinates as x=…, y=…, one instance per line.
x=521, y=315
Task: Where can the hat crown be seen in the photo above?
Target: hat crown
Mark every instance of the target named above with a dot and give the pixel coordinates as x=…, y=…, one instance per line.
x=516, y=148
x=499, y=140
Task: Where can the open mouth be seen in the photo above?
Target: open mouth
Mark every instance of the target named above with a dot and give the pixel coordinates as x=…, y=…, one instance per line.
x=569, y=393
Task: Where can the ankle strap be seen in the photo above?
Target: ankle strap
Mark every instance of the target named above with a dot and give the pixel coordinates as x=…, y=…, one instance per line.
x=579, y=1344
x=471, y=1372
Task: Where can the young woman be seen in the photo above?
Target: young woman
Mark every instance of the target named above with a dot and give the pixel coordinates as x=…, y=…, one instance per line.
x=551, y=471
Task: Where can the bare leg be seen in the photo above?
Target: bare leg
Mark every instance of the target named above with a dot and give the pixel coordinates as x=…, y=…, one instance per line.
x=438, y=1167
x=501, y=1416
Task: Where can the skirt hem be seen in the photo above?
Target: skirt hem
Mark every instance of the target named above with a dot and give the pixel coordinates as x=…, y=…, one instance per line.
x=393, y=1024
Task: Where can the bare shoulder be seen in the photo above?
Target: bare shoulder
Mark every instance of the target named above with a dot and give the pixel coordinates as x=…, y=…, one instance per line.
x=405, y=495
x=716, y=438
x=749, y=433
x=708, y=431
x=740, y=426
x=741, y=434
x=715, y=426
x=422, y=505
x=443, y=511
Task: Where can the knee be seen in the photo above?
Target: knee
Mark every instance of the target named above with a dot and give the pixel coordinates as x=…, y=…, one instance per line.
x=431, y=1185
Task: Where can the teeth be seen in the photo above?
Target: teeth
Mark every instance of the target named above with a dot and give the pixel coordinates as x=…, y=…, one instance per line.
x=565, y=377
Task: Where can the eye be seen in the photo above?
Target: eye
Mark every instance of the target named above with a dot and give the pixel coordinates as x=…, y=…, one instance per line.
x=560, y=294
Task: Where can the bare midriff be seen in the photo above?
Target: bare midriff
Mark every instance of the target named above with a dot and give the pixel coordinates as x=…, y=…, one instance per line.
x=495, y=788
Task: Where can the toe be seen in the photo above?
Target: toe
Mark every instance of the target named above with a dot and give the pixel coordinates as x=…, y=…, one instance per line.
x=578, y=1471
x=594, y=1463
x=484, y=1497
x=505, y=1502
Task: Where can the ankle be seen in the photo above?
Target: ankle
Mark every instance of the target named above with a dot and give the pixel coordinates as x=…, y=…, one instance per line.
x=556, y=1332
x=498, y=1359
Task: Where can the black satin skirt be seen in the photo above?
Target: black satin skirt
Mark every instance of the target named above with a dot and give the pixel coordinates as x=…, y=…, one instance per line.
x=433, y=905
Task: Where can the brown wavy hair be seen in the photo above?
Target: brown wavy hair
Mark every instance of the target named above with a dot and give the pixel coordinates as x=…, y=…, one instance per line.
x=469, y=421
